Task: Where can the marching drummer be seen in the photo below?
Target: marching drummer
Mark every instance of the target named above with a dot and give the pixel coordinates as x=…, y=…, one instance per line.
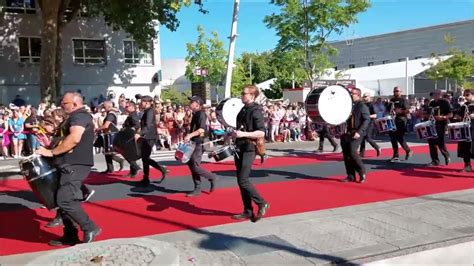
x=441, y=110
x=401, y=108
x=466, y=148
x=133, y=122
x=198, y=129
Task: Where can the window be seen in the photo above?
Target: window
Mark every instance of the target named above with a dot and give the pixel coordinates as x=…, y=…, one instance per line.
x=401, y=59
x=19, y=6
x=335, y=68
x=89, y=51
x=134, y=55
x=370, y=63
x=385, y=62
x=352, y=66
x=30, y=49
x=417, y=57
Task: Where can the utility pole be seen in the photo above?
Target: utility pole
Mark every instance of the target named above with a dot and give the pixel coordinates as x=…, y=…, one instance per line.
x=230, y=59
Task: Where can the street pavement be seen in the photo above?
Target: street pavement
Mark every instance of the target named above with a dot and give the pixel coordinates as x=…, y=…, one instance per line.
x=408, y=230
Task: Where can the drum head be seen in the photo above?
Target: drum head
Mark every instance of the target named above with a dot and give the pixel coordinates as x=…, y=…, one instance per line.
x=335, y=104
x=228, y=110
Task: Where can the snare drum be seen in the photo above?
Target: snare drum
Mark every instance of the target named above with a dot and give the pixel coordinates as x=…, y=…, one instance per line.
x=337, y=131
x=460, y=131
x=42, y=177
x=222, y=153
x=385, y=124
x=184, y=151
x=109, y=142
x=227, y=111
x=426, y=130
x=332, y=104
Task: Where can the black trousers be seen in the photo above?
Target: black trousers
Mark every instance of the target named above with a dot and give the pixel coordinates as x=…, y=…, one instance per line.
x=243, y=163
x=439, y=143
x=352, y=160
x=324, y=133
x=109, y=158
x=134, y=168
x=197, y=171
x=69, y=196
x=146, y=148
x=398, y=136
x=368, y=138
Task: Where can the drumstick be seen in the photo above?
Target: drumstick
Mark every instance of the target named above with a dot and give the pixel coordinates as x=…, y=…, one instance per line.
x=205, y=143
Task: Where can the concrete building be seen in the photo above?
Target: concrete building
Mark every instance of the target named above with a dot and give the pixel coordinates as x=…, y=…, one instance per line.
x=96, y=59
x=173, y=75
x=396, y=46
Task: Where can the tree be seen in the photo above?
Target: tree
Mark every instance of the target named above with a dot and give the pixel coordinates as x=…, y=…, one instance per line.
x=137, y=18
x=175, y=96
x=304, y=28
x=457, y=67
x=206, y=53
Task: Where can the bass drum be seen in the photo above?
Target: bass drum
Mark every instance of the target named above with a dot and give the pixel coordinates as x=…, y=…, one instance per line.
x=332, y=104
x=42, y=177
x=227, y=111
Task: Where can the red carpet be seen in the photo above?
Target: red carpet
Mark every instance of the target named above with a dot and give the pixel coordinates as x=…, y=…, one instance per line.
x=23, y=230
x=183, y=170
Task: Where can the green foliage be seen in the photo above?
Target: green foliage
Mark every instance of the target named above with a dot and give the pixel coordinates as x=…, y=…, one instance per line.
x=206, y=53
x=304, y=28
x=457, y=67
x=175, y=96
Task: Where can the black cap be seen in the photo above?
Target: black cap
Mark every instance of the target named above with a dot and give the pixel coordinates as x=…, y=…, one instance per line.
x=196, y=99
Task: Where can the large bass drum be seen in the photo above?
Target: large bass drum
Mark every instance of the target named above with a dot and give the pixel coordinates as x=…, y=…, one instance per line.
x=227, y=111
x=332, y=104
x=42, y=177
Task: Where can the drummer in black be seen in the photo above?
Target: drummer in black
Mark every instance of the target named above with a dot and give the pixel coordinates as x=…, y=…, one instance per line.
x=146, y=138
x=133, y=122
x=441, y=110
x=74, y=159
x=370, y=128
x=198, y=129
x=401, y=107
x=251, y=125
x=466, y=148
x=110, y=125
x=356, y=129
x=323, y=133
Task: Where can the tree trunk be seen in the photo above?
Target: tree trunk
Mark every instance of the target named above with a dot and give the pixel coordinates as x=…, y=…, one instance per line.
x=59, y=48
x=49, y=43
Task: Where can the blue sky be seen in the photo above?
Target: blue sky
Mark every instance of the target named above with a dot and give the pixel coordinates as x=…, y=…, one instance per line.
x=253, y=36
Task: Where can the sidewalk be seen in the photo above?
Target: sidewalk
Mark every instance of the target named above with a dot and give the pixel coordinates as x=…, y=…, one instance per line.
x=355, y=234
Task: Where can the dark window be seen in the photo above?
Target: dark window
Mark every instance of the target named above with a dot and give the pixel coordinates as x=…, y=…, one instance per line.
x=30, y=49
x=352, y=66
x=89, y=51
x=401, y=59
x=335, y=68
x=370, y=63
x=134, y=55
x=418, y=57
x=385, y=61
x=19, y=6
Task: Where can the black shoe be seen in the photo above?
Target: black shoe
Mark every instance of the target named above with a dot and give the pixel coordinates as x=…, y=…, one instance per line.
x=88, y=196
x=320, y=150
x=213, y=185
x=107, y=172
x=144, y=183
x=362, y=178
x=90, y=236
x=242, y=216
x=132, y=174
x=164, y=174
x=194, y=193
x=262, y=209
x=433, y=163
x=64, y=241
x=335, y=148
x=447, y=160
x=348, y=179
x=394, y=160
x=263, y=158
x=56, y=222
x=378, y=151
x=408, y=155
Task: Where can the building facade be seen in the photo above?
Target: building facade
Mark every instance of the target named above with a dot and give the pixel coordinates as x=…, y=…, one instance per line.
x=395, y=47
x=95, y=58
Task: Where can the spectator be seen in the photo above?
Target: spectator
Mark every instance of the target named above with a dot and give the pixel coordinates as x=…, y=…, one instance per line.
x=16, y=127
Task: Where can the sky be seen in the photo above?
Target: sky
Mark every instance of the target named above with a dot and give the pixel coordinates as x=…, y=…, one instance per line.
x=383, y=16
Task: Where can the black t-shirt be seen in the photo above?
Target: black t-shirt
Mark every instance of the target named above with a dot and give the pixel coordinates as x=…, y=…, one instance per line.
x=371, y=108
x=112, y=118
x=198, y=121
x=399, y=102
x=82, y=153
x=249, y=119
x=440, y=107
x=132, y=121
